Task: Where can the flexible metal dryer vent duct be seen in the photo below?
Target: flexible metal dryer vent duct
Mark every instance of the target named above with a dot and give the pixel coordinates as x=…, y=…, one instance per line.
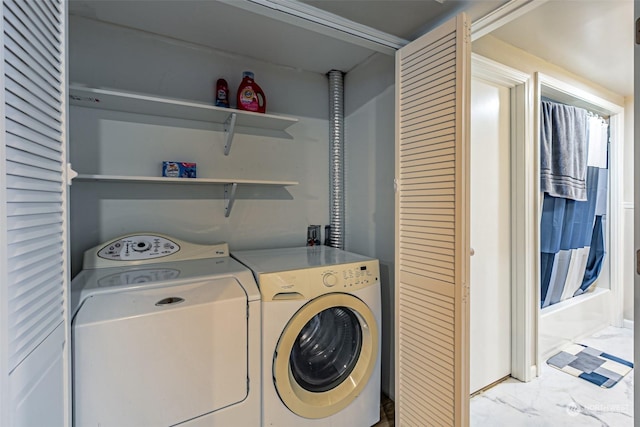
x=336, y=157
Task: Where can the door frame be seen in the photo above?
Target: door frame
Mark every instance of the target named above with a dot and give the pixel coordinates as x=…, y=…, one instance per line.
x=523, y=212
x=636, y=212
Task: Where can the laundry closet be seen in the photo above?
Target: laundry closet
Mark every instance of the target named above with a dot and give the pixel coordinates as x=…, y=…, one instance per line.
x=281, y=166
x=133, y=77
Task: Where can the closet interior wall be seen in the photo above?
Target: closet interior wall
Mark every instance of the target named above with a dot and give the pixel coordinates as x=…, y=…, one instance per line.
x=109, y=142
x=369, y=202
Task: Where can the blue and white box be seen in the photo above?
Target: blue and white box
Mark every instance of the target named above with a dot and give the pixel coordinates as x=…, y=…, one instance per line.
x=179, y=169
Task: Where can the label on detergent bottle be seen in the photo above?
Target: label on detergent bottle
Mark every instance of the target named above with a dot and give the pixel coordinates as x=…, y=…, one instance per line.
x=248, y=98
x=250, y=95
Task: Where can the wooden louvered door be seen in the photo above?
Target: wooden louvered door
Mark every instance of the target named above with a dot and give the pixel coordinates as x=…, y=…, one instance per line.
x=432, y=228
x=34, y=365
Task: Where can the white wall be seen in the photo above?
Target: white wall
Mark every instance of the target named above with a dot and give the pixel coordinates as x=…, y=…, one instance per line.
x=369, y=173
x=504, y=53
x=103, y=55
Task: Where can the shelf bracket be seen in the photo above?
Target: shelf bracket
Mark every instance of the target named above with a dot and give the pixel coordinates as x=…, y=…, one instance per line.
x=229, y=197
x=229, y=129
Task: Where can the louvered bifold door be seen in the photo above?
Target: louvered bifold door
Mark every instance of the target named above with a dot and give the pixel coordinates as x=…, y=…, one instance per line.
x=34, y=210
x=432, y=232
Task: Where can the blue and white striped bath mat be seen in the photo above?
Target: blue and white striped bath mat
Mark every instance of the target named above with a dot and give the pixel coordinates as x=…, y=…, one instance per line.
x=593, y=365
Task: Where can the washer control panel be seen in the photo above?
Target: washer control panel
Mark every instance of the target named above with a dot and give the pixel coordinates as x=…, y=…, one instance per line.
x=140, y=247
x=148, y=248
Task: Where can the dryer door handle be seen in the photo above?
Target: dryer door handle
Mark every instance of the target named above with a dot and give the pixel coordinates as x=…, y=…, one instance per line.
x=287, y=296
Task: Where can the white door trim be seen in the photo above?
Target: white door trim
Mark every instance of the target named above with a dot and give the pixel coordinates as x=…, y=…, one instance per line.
x=495, y=72
x=616, y=212
x=523, y=209
x=322, y=22
x=636, y=213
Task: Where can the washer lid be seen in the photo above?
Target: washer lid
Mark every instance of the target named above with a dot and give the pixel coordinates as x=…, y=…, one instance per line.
x=154, y=301
x=131, y=277
x=160, y=356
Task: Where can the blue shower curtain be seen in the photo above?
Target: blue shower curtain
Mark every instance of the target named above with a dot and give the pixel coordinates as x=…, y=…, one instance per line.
x=571, y=231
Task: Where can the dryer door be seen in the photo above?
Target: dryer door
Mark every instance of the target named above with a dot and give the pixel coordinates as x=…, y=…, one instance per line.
x=325, y=355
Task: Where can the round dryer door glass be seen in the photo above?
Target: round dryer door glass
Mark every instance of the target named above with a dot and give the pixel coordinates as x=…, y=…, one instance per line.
x=326, y=350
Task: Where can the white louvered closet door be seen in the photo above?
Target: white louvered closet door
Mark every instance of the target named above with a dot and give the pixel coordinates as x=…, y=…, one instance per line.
x=432, y=228
x=33, y=211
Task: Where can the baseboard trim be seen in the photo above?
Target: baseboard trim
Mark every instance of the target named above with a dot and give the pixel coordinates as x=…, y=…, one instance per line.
x=627, y=324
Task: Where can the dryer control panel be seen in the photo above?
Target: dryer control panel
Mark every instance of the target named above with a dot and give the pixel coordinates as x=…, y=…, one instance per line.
x=310, y=283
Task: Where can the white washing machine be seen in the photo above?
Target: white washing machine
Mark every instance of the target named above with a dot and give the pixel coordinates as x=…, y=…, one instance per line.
x=165, y=332
x=320, y=336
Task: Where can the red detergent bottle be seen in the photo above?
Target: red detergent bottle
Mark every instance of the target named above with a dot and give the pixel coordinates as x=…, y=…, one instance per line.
x=222, y=93
x=250, y=95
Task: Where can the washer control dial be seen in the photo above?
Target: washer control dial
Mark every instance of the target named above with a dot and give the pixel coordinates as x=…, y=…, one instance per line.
x=330, y=280
x=141, y=246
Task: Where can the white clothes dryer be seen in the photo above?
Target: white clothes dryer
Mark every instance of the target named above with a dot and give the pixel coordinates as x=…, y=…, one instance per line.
x=165, y=332
x=320, y=336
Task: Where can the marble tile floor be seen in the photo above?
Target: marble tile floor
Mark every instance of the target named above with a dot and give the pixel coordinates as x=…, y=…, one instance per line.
x=558, y=399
